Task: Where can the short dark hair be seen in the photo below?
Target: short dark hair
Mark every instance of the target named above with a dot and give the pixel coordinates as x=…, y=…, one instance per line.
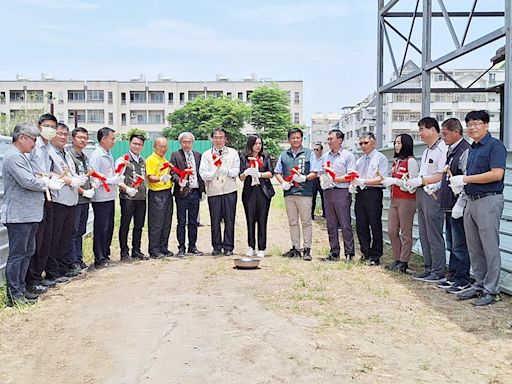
x=105, y=131
x=429, y=122
x=295, y=130
x=369, y=135
x=47, y=116
x=79, y=129
x=320, y=145
x=338, y=133
x=478, y=115
x=62, y=125
x=407, y=149
x=137, y=136
x=220, y=130
x=452, y=124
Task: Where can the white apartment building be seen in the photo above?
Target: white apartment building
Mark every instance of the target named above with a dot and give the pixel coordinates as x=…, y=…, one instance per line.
x=321, y=124
x=123, y=105
x=403, y=110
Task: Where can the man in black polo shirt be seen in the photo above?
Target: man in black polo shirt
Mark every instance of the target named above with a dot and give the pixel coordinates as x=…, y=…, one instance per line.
x=483, y=184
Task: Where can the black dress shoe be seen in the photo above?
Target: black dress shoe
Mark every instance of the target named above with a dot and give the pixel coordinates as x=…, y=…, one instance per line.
x=195, y=252
x=37, y=289
x=228, y=253
x=157, y=256
x=331, y=257
x=139, y=255
x=181, y=253
x=167, y=253
x=126, y=259
x=216, y=252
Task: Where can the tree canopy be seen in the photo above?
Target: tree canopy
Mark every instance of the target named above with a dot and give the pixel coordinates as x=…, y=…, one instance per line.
x=202, y=115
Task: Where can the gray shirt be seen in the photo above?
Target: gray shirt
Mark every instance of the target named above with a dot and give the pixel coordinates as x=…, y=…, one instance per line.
x=23, y=192
x=61, y=162
x=39, y=157
x=103, y=162
x=341, y=162
x=367, y=165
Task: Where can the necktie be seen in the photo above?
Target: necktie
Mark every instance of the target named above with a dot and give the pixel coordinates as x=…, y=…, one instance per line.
x=192, y=177
x=365, y=168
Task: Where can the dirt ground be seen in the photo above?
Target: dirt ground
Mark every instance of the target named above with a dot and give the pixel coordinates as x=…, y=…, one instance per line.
x=198, y=320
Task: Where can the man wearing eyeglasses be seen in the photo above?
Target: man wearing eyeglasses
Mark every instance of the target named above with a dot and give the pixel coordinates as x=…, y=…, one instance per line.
x=483, y=184
x=430, y=215
x=368, y=208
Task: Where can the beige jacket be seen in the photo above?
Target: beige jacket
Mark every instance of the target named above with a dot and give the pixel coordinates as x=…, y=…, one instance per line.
x=220, y=180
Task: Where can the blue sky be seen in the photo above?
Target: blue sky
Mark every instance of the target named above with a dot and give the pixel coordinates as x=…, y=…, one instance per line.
x=330, y=45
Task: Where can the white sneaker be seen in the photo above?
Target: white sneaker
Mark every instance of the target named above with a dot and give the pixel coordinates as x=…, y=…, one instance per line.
x=250, y=252
x=261, y=254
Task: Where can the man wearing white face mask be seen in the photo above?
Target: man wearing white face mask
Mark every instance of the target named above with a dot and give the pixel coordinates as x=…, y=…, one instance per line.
x=40, y=161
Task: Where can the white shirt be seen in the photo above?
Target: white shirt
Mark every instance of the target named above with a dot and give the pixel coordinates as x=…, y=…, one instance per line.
x=433, y=159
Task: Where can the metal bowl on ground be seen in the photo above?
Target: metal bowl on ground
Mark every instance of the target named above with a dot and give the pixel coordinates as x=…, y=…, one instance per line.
x=247, y=263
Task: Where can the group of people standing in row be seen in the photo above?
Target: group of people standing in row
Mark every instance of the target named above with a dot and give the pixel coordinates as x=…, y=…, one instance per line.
x=48, y=189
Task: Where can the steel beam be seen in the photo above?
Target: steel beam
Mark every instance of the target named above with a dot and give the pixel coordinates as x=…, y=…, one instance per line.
x=384, y=9
x=426, y=57
x=440, y=90
x=409, y=38
x=507, y=110
x=380, y=74
x=469, y=21
x=440, y=14
x=390, y=47
x=449, y=24
x=402, y=79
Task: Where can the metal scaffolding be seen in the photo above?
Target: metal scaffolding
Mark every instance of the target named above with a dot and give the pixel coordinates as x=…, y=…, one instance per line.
x=462, y=47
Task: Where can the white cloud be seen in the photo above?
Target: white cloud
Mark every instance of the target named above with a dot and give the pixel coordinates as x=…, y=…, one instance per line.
x=79, y=5
x=291, y=14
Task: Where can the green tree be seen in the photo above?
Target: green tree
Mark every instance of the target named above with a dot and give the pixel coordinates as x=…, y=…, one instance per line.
x=270, y=116
x=134, y=131
x=202, y=115
x=24, y=115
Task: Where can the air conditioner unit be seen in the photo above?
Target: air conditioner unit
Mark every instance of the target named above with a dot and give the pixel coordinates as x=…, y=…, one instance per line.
x=133, y=114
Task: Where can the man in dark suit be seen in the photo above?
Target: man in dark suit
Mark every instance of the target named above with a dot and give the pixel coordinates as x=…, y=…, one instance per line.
x=187, y=192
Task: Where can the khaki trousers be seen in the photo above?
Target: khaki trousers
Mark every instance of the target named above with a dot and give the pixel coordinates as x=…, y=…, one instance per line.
x=299, y=207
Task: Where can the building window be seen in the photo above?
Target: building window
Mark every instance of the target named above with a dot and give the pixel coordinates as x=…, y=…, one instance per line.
x=170, y=97
x=35, y=96
x=17, y=96
x=95, y=96
x=138, y=117
x=296, y=118
x=79, y=115
x=95, y=116
x=248, y=96
x=2, y=98
x=156, y=117
x=76, y=96
x=156, y=96
x=406, y=116
x=110, y=118
x=182, y=97
x=296, y=98
x=137, y=96
x=192, y=95
x=241, y=96
x=439, y=77
x=123, y=98
x=229, y=94
x=123, y=118
x=110, y=98
x=407, y=97
x=472, y=97
x=440, y=116
x=492, y=77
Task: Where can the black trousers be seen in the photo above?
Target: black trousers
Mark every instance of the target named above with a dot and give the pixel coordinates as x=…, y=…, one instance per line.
x=223, y=208
x=159, y=220
x=256, y=207
x=135, y=209
x=187, y=209
x=368, y=210
x=63, y=222
x=317, y=189
x=43, y=247
x=103, y=229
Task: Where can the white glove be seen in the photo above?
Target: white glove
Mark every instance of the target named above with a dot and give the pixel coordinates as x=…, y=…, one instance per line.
x=457, y=184
x=286, y=185
x=83, y=179
x=430, y=189
x=389, y=181
x=165, y=178
x=299, y=178
x=352, y=188
x=251, y=172
x=359, y=183
x=326, y=181
x=414, y=182
x=95, y=183
x=183, y=183
x=115, y=180
x=76, y=182
x=55, y=184
x=457, y=211
x=89, y=193
x=130, y=191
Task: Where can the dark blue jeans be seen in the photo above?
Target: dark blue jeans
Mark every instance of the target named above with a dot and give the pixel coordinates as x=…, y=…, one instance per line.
x=459, y=263
x=187, y=207
x=22, y=246
x=79, y=229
